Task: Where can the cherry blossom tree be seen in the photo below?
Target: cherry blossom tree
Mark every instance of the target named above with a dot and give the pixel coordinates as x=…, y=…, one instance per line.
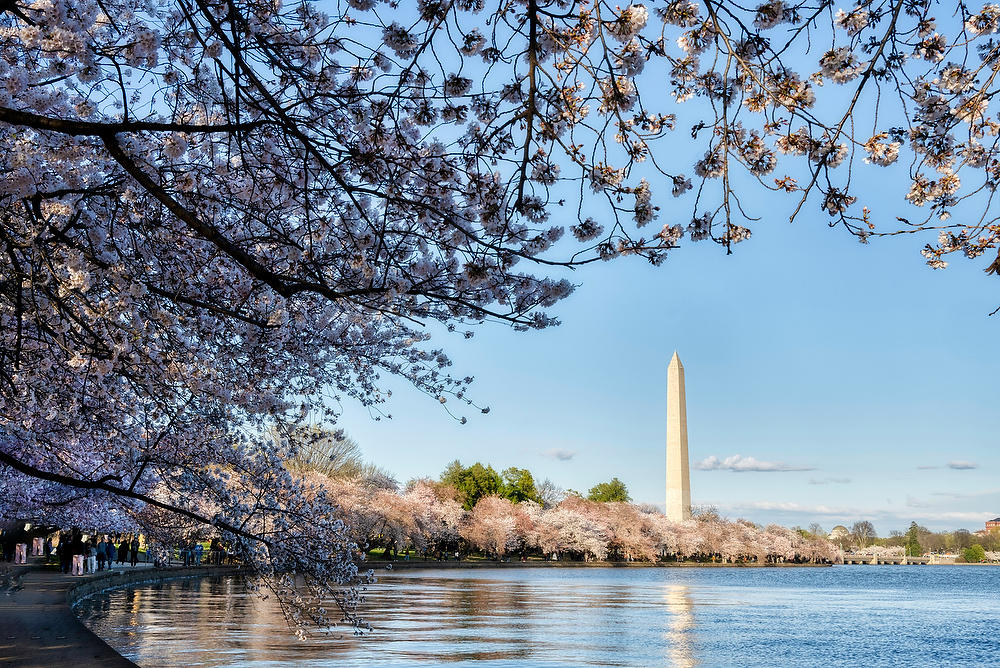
x=687, y=540
x=438, y=517
x=783, y=542
x=221, y=217
x=632, y=532
x=711, y=530
x=493, y=525
x=818, y=549
x=743, y=542
x=665, y=535
x=563, y=530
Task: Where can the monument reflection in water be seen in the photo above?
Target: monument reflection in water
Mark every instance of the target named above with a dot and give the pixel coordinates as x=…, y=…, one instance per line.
x=679, y=642
x=848, y=616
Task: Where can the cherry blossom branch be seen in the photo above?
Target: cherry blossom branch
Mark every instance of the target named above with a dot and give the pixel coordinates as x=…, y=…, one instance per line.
x=102, y=485
x=90, y=129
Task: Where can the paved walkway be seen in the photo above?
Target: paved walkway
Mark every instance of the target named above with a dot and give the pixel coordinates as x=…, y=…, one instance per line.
x=37, y=626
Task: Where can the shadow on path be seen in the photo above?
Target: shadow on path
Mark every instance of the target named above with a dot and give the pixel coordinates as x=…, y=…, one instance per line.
x=38, y=628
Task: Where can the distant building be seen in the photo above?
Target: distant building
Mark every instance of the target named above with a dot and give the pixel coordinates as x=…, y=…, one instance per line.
x=993, y=524
x=839, y=532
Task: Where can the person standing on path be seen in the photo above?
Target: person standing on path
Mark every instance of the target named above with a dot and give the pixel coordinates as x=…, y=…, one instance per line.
x=62, y=549
x=135, y=550
x=21, y=546
x=123, y=551
x=91, y=557
x=77, y=549
x=102, y=553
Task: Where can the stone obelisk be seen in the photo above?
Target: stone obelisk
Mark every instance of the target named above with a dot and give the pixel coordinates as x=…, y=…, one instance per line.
x=678, y=477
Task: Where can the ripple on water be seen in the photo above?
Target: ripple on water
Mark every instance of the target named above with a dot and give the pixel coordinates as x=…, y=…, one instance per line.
x=844, y=616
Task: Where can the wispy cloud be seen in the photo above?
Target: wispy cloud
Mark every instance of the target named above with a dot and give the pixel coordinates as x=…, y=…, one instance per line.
x=958, y=465
x=829, y=481
x=560, y=454
x=991, y=494
x=792, y=507
x=741, y=464
x=850, y=513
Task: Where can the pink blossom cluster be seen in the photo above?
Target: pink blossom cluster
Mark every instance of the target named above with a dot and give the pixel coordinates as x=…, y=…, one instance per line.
x=427, y=518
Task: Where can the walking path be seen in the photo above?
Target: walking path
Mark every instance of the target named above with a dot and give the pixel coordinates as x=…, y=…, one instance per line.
x=37, y=626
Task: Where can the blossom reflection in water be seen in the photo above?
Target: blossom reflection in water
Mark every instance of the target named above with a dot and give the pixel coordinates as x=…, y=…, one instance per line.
x=940, y=615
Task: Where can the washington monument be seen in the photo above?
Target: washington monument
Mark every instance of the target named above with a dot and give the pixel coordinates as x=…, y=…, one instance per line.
x=678, y=476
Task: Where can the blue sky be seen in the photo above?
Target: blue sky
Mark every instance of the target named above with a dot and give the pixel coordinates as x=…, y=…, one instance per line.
x=804, y=349
x=858, y=365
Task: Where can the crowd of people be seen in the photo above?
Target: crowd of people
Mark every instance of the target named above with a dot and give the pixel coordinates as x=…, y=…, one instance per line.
x=191, y=552
x=76, y=552
x=80, y=553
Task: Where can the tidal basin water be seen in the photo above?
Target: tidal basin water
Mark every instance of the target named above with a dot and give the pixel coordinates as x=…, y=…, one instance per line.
x=840, y=616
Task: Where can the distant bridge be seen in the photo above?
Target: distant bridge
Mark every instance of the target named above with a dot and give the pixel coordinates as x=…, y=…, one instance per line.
x=894, y=561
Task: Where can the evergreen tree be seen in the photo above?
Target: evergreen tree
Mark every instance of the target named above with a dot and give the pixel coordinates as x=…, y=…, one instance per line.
x=974, y=554
x=473, y=482
x=519, y=485
x=913, y=548
x=614, y=490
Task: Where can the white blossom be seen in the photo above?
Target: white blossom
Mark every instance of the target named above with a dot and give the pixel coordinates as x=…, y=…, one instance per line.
x=854, y=21
x=629, y=22
x=840, y=65
x=771, y=14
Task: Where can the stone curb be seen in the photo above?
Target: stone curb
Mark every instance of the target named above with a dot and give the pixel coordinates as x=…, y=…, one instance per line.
x=39, y=629
x=417, y=564
x=116, y=579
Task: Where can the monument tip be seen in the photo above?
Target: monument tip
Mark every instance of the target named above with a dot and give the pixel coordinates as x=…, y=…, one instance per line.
x=675, y=359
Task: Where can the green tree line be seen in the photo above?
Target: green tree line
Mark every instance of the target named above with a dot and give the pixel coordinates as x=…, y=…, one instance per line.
x=477, y=481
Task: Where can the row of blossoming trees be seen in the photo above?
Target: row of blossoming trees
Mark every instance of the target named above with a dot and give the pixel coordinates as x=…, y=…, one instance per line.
x=217, y=214
x=429, y=519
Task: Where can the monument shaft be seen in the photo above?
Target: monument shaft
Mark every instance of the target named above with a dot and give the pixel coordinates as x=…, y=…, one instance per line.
x=678, y=477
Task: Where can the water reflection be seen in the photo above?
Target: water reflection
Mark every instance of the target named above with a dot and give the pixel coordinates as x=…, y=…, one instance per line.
x=680, y=628
x=564, y=617
x=133, y=599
